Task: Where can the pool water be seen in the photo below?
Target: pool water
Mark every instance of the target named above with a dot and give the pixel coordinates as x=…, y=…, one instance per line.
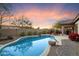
x=27, y=46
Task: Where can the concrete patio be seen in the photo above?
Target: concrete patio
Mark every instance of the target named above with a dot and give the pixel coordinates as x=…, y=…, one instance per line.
x=68, y=48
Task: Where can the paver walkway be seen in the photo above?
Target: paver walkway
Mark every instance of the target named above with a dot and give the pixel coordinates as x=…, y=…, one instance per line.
x=68, y=48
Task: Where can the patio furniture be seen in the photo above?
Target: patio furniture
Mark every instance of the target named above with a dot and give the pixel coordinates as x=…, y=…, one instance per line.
x=52, y=43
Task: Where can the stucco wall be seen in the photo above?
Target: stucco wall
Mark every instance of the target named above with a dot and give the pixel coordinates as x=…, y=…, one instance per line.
x=77, y=26
x=8, y=32
x=14, y=32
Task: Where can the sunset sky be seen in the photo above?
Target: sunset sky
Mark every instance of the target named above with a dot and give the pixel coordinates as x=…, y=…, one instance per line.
x=44, y=15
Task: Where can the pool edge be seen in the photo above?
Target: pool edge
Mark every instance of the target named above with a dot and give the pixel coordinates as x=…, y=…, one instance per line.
x=15, y=41
x=45, y=52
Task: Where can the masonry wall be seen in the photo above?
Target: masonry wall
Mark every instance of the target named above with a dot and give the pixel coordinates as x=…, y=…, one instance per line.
x=8, y=32
x=14, y=32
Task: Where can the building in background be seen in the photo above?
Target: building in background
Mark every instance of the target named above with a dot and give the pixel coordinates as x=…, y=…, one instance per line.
x=70, y=25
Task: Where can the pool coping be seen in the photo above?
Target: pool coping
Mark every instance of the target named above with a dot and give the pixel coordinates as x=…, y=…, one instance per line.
x=14, y=41
x=45, y=52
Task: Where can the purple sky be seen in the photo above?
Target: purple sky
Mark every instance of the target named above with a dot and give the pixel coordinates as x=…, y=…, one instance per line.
x=44, y=15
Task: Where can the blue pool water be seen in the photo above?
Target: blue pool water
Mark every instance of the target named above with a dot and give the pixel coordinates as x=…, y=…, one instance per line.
x=27, y=46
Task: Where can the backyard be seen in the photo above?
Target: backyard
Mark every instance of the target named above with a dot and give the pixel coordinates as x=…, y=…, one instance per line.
x=26, y=28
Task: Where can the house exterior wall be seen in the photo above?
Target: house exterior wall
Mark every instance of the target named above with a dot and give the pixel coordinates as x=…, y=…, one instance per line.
x=66, y=29
x=77, y=23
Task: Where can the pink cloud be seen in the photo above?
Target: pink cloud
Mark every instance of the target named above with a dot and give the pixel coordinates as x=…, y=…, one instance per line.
x=40, y=17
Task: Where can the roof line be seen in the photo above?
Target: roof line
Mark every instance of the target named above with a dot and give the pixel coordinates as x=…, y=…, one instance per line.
x=76, y=18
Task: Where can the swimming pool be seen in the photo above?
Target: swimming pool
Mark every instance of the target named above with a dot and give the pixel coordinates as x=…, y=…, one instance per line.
x=27, y=46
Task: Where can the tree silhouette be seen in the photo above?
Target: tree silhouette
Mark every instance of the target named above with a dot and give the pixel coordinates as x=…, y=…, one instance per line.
x=4, y=11
x=22, y=22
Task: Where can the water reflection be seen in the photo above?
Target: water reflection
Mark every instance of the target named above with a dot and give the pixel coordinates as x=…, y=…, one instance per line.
x=26, y=46
x=16, y=49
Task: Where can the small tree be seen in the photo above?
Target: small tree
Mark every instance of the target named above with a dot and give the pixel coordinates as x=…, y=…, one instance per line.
x=58, y=25
x=22, y=23
x=4, y=11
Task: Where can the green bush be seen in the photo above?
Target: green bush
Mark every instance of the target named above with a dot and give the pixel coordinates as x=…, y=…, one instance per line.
x=22, y=34
x=9, y=37
x=0, y=33
x=44, y=32
x=35, y=33
x=29, y=33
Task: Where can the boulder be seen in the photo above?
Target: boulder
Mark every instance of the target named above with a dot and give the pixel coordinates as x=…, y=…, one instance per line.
x=52, y=43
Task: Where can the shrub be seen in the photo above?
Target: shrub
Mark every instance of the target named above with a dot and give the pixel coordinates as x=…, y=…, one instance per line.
x=29, y=33
x=22, y=34
x=74, y=36
x=9, y=37
x=35, y=33
x=44, y=32
x=40, y=33
x=0, y=34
